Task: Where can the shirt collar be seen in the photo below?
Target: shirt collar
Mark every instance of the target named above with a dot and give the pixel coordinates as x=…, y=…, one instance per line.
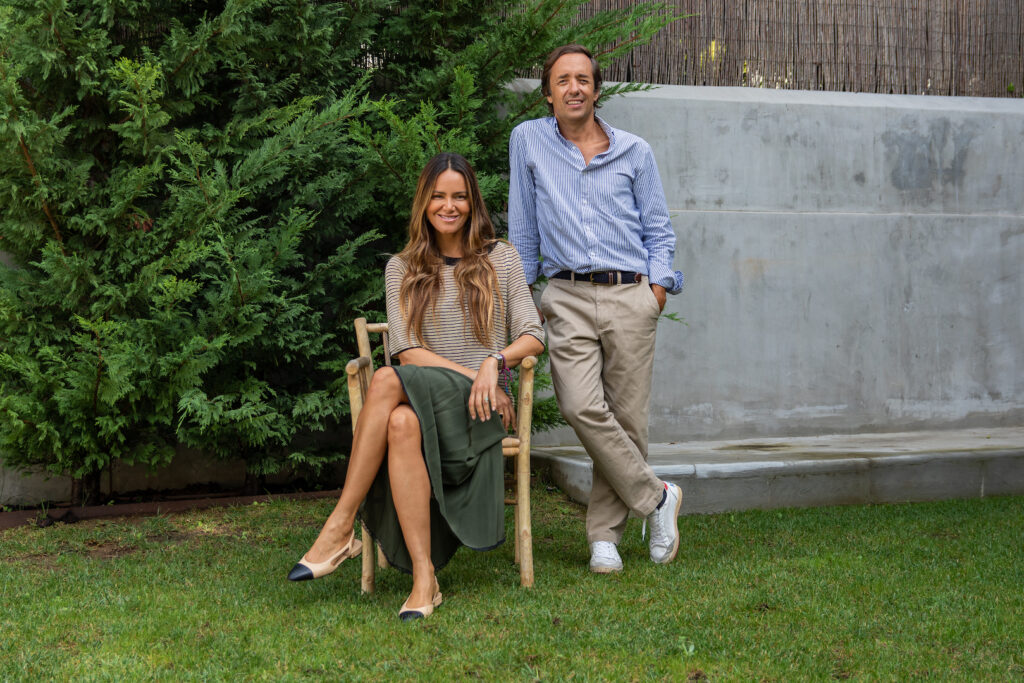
x=608, y=130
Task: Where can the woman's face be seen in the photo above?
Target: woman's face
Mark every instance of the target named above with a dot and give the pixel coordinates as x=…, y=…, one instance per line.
x=449, y=208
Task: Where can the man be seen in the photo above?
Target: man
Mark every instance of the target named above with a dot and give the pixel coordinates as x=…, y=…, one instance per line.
x=587, y=198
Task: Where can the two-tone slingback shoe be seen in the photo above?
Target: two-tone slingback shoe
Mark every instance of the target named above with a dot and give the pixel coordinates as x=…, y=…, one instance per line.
x=305, y=570
x=407, y=613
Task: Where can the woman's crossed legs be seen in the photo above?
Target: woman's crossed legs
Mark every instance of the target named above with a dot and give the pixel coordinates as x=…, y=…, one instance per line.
x=388, y=426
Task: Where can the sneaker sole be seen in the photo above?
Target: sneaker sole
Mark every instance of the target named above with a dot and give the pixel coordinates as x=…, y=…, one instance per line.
x=605, y=570
x=675, y=546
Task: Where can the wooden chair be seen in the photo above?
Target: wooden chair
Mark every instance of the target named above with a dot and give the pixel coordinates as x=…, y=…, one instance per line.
x=360, y=371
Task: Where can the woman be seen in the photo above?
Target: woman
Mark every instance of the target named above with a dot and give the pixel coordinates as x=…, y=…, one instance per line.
x=455, y=296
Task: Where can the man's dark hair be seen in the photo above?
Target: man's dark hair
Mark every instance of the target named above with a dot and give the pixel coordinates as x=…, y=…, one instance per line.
x=572, y=48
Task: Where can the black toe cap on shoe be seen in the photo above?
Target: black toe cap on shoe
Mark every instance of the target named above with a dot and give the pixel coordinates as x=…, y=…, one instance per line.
x=410, y=616
x=300, y=573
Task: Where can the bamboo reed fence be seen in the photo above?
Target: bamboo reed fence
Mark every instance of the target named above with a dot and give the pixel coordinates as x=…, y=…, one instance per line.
x=931, y=47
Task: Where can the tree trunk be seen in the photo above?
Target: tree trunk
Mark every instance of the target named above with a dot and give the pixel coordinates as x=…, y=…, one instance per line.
x=86, y=490
x=254, y=484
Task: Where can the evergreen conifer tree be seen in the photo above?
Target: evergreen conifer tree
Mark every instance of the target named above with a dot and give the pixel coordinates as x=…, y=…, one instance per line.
x=196, y=199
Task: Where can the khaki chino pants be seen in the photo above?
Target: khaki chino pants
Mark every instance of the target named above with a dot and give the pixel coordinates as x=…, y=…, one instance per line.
x=601, y=343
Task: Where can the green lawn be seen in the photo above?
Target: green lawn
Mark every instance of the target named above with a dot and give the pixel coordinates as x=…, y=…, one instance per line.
x=891, y=592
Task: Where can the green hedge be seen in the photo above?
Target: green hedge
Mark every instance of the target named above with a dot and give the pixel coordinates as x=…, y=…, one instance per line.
x=199, y=197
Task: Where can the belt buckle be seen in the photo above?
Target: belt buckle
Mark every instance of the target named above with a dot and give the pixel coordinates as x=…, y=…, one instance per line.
x=607, y=278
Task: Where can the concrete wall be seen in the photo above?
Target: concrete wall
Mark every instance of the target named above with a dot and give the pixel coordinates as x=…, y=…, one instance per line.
x=853, y=261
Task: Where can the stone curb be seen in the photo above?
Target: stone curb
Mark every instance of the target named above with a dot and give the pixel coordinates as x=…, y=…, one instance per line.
x=721, y=478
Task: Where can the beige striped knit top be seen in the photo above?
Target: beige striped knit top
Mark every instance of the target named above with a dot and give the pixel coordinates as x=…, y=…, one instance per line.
x=446, y=330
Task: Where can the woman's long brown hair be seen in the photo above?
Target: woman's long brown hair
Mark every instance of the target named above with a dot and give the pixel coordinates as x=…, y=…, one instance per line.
x=475, y=277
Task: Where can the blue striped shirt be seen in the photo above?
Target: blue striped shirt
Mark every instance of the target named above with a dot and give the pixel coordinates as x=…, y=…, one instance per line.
x=609, y=214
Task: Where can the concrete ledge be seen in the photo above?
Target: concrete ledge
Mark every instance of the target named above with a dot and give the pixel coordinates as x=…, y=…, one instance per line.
x=188, y=468
x=718, y=476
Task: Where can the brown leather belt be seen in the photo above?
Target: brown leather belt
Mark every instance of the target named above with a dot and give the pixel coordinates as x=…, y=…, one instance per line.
x=604, y=277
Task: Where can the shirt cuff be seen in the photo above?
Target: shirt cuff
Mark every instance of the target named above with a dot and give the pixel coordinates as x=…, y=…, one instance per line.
x=672, y=281
x=395, y=354
x=530, y=271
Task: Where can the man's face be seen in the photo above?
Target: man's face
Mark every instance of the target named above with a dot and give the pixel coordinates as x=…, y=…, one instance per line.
x=572, y=88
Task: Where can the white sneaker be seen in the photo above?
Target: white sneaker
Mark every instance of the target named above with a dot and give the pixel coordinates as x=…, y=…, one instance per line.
x=665, y=526
x=604, y=558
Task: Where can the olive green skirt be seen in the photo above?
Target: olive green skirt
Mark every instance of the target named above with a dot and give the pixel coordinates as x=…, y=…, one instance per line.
x=465, y=466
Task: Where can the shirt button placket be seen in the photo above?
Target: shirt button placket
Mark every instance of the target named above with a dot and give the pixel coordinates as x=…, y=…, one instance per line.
x=587, y=214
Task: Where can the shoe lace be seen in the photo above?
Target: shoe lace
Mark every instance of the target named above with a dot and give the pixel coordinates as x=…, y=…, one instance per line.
x=657, y=526
x=658, y=532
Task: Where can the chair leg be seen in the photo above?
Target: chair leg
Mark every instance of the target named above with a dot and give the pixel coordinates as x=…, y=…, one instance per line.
x=524, y=529
x=368, y=583
x=519, y=559
x=525, y=546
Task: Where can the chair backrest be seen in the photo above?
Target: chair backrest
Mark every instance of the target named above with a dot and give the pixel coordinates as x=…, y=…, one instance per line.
x=360, y=370
x=363, y=332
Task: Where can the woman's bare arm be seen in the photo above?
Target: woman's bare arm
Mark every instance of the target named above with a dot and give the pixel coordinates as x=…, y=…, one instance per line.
x=423, y=357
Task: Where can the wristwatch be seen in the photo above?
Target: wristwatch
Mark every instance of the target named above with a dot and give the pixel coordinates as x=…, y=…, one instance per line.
x=498, y=357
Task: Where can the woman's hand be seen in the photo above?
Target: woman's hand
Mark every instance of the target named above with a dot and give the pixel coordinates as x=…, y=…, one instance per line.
x=483, y=395
x=505, y=409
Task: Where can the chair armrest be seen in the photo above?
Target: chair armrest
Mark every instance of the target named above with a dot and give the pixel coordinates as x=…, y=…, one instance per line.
x=356, y=364
x=359, y=371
